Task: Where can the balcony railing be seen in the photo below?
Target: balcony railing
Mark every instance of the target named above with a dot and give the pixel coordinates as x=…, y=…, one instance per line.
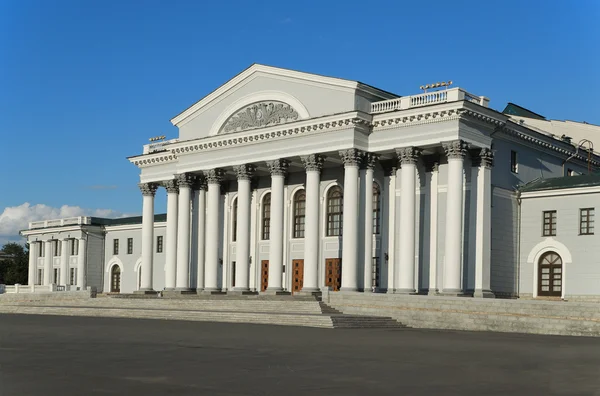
x=60, y=222
x=158, y=146
x=426, y=99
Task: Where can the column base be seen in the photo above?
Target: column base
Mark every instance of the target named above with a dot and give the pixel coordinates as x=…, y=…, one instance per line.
x=178, y=292
x=479, y=293
x=146, y=292
x=169, y=288
x=433, y=292
x=390, y=290
x=274, y=289
x=452, y=293
x=211, y=291
x=241, y=293
x=348, y=289
x=309, y=292
x=405, y=291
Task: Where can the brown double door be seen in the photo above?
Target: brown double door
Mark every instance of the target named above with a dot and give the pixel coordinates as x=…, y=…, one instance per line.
x=550, y=275
x=264, y=275
x=333, y=273
x=297, y=275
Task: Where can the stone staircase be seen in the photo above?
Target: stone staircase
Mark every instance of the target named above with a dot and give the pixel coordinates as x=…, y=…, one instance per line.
x=305, y=311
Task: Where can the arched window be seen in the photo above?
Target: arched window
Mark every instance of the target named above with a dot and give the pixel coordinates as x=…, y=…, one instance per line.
x=335, y=211
x=299, y=213
x=234, y=221
x=376, y=209
x=115, y=279
x=266, y=217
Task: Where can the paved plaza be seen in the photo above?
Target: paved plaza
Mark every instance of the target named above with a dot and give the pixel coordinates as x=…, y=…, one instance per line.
x=49, y=355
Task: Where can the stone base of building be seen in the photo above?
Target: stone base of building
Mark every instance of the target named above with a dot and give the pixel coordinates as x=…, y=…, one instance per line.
x=211, y=292
x=242, y=293
x=176, y=292
x=276, y=293
x=483, y=294
x=146, y=292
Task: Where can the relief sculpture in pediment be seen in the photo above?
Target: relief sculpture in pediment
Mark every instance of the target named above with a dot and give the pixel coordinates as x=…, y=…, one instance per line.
x=259, y=115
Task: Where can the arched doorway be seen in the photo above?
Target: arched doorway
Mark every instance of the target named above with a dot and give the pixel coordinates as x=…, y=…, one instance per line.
x=115, y=279
x=550, y=273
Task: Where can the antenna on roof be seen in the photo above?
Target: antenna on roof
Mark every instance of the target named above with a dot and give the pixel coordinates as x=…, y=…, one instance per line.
x=436, y=85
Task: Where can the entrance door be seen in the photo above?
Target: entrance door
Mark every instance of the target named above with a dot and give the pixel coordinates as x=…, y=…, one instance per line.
x=264, y=275
x=115, y=279
x=333, y=273
x=550, y=275
x=297, y=275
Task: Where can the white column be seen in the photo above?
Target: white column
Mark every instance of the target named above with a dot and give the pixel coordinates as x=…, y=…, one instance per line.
x=483, y=244
x=81, y=264
x=148, y=192
x=211, y=262
x=433, y=232
x=200, y=234
x=391, y=228
x=351, y=158
x=185, y=182
x=313, y=164
x=48, y=263
x=370, y=161
x=408, y=157
x=242, y=251
x=171, y=238
x=33, y=256
x=64, y=262
x=278, y=171
x=455, y=151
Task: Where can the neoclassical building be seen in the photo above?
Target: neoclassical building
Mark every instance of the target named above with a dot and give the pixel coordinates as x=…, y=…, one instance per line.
x=284, y=181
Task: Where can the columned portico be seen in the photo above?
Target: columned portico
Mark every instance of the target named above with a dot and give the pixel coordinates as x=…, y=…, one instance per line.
x=48, y=262
x=242, y=273
x=278, y=170
x=483, y=238
x=313, y=164
x=369, y=162
x=455, y=152
x=33, y=256
x=148, y=192
x=407, y=157
x=352, y=159
x=171, y=243
x=214, y=177
x=64, y=261
x=185, y=182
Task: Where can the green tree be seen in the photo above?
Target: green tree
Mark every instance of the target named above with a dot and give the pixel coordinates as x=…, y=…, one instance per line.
x=13, y=268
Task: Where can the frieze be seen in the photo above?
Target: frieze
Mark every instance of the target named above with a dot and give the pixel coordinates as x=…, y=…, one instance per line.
x=260, y=115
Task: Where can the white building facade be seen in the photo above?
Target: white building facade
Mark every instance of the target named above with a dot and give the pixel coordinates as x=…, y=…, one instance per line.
x=283, y=181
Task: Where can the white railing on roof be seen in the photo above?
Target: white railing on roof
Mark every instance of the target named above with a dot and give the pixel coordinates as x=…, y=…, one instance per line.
x=158, y=146
x=426, y=99
x=60, y=222
x=15, y=289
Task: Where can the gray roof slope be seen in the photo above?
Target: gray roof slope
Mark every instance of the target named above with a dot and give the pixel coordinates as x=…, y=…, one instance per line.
x=557, y=183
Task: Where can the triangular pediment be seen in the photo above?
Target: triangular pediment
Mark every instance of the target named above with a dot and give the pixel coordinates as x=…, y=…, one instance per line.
x=263, y=96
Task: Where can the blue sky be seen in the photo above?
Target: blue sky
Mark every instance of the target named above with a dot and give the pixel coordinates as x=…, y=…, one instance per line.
x=84, y=84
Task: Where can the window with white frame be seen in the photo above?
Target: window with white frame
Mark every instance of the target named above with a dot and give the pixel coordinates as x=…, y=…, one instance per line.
x=335, y=211
x=586, y=221
x=266, y=217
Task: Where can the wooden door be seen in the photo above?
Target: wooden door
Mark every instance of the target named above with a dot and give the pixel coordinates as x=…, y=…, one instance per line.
x=333, y=273
x=115, y=279
x=550, y=275
x=264, y=275
x=297, y=275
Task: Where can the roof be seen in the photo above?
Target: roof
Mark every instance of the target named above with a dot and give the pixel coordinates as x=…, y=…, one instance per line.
x=158, y=218
x=557, y=183
x=515, y=109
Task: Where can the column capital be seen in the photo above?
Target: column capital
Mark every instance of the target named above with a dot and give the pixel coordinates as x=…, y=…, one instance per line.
x=432, y=163
x=352, y=157
x=389, y=169
x=148, y=189
x=245, y=171
x=200, y=183
x=313, y=162
x=369, y=160
x=408, y=155
x=456, y=149
x=214, y=176
x=485, y=158
x=278, y=167
x=186, y=180
x=171, y=186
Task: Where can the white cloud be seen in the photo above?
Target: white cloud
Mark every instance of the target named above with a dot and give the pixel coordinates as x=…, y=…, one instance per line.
x=16, y=218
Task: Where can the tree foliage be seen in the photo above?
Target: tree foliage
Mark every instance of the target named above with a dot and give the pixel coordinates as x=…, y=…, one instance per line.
x=13, y=268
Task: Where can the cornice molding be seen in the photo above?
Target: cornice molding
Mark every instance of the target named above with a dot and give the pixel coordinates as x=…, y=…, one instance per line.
x=153, y=159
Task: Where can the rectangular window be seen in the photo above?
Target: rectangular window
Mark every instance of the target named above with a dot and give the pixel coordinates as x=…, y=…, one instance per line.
x=56, y=276
x=159, y=244
x=40, y=276
x=42, y=249
x=514, y=164
x=73, y=243
x=586, y=221
x=549, y=217
x=56, y=248
x=233, y=274
x=115, y=246
x=129, y=245
x=375, y=272
x=570, y=172
x=72, y=277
